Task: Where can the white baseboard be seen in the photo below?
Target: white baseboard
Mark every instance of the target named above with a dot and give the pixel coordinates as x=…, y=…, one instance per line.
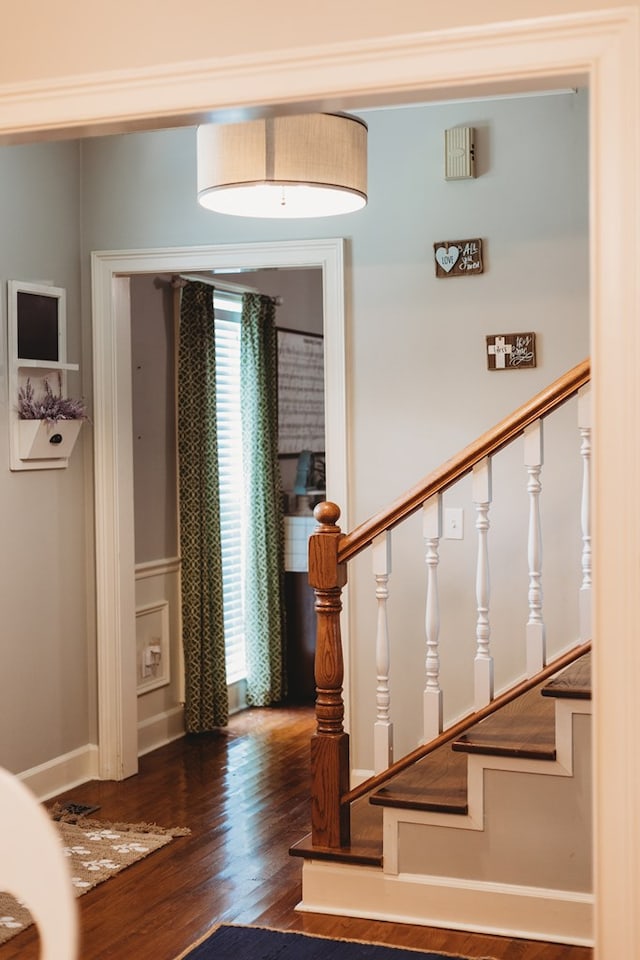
x=72, y=769
x=160, y=730
x=62, y=773
x=532, y=913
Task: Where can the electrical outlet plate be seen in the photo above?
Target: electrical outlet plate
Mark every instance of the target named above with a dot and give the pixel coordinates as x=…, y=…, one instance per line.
x=152, y=646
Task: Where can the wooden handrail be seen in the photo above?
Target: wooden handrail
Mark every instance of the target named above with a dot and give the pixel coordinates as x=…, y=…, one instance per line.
x=452, y=470
x=329, y=550
x=464, y=724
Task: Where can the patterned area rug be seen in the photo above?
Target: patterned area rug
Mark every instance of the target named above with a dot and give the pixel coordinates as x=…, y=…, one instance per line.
x=96, y=851
x=228, y=942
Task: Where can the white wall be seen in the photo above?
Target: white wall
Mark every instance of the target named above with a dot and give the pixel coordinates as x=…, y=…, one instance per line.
x=46, y=637
x=413, y=340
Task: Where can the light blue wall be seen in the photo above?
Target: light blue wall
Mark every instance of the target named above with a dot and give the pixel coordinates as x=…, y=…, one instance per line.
x=46, y=581
x=417, y=379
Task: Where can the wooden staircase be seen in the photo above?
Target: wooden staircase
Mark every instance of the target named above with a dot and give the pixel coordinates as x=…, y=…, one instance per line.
x=532, y=734
x=486, y=824
x=525, y=728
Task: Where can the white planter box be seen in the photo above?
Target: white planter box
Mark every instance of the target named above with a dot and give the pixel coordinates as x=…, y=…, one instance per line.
x=41, y=440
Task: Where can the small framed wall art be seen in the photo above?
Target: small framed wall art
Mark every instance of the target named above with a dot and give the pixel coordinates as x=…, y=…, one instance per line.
x=511, y=351
x=458, y=258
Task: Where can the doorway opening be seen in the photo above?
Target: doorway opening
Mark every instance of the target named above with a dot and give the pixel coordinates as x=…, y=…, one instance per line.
x=114, y=484
x=299, y=318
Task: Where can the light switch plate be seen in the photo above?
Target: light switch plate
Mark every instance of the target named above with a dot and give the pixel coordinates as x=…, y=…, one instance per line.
x=453, y=523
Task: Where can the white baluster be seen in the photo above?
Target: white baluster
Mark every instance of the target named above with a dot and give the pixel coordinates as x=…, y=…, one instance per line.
x=383, y=728
x=483, y=665
x=533, y=459
x=432, y=697
x=584, y=423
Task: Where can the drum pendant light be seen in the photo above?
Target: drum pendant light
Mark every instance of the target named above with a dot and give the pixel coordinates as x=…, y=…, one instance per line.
x=283, y=167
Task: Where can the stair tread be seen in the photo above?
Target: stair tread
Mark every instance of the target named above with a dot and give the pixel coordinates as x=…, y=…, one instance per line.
x=574, y=682
x=438, y=782
x=366, y=839
x=523, y=728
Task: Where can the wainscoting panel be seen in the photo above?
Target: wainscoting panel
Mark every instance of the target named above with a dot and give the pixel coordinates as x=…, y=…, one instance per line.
x=160, y=679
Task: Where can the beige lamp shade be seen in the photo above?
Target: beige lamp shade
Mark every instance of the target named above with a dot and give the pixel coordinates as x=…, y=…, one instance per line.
x=283, y=167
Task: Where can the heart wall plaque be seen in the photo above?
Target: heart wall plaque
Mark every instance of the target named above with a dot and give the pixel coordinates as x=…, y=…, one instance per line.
x=458, y=258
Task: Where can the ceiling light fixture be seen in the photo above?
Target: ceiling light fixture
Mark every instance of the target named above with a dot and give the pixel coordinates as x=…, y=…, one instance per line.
x=284, y=167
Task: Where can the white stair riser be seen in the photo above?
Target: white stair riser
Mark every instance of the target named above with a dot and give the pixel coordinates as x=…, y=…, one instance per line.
x=533, y=914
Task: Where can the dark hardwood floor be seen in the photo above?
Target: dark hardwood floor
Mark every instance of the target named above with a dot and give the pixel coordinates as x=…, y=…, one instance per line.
x=244, y=795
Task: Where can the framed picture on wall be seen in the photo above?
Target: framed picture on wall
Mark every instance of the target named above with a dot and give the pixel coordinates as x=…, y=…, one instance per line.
x=300, y=392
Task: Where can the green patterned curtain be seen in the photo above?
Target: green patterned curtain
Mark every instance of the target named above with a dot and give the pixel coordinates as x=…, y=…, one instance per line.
x=264, y=540
x=206, y=700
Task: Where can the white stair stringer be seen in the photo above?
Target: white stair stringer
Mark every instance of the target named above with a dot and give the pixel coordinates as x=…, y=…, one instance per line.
x=518, y=864
x=477, y=765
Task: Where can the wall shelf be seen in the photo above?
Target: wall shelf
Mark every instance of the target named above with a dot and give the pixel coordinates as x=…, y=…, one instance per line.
x=37, y=348
x=24, y=364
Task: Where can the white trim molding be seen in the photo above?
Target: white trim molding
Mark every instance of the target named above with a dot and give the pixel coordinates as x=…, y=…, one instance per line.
x=161, y=729
x=377, y=71
x=157, y=568
x=62, y=773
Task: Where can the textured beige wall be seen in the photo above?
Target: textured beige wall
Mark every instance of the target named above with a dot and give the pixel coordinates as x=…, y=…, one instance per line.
x=46, y=41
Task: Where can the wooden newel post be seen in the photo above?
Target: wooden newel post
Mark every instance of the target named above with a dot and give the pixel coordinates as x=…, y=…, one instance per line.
x=330, y=744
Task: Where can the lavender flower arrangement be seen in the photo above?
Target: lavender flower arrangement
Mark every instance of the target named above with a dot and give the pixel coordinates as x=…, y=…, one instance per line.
x=49, y=406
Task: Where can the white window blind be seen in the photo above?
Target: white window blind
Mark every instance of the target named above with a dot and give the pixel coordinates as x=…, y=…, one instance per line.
x=227, y=309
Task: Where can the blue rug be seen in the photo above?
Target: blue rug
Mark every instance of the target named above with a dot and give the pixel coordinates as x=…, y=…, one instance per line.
x=257, y=943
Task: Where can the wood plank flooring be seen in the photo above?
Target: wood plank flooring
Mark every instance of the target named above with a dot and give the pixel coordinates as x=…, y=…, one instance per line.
x=244, y=795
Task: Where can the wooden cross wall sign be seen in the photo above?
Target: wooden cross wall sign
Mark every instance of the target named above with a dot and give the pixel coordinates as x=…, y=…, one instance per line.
x=511, y=351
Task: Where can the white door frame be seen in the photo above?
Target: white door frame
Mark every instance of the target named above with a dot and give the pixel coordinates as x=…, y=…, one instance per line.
x=603, y=47
x=113, y=450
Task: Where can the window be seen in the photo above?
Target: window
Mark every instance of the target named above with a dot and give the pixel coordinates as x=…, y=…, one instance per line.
x=227, y=311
